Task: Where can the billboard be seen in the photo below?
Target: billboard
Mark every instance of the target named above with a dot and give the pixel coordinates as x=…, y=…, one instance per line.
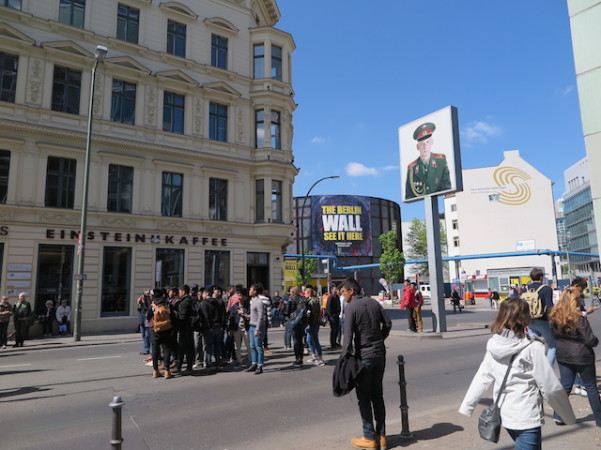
x=430, y=155
x=341, y=225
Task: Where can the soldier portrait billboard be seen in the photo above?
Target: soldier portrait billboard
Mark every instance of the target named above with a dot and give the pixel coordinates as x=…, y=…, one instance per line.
x=430, y=155
x=341, y=225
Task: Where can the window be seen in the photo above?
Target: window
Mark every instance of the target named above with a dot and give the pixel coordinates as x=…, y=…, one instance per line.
x=276, y=62
x=176, y=38
x=275, y=129
x=217, y=199
x=123, y=104
x=260, y=200
x=8, y=77
x=218, y=122
x=217, y=268
x=455, y=225
x=171, y=195
x=454, y=207
x=4, y=170
x=116, y=279
x=72, y=12
x=219, y=51
x=259, y=61
x=11, y=3
x=276, y=201
x=128, y=23
x=121, y=180
x=173, y=112
x=66, y=90
x=456, y=242
x=169, y=267
x=60, y=182
x=259, y=128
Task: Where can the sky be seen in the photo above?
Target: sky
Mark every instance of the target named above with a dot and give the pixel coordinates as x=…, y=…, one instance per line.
x=363, y=68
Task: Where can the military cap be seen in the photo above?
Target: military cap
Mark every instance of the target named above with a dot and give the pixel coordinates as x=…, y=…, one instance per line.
x=424, y=131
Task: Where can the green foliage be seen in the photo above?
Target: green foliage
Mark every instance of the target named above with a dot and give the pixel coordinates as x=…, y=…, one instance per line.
x=310, y=266
x=392, y=262
x=417, y=246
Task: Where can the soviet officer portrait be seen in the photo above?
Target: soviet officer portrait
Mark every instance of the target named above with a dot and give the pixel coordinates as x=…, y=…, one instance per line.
x=429, y=173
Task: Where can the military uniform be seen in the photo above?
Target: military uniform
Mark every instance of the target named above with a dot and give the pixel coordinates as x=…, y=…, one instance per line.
x=429, y=177
x=424, y=179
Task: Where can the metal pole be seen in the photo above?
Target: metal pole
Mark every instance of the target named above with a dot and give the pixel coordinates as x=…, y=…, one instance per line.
x=301, y=222
x=80, y=276
x=405, y=433
x=117, y=437
x=439, y=318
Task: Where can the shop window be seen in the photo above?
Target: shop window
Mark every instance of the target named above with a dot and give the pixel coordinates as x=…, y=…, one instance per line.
x=54, y=275
x=171, y=196
x=116, y=281
x=60, y=182
x=120, y=191
x=123, y=103
x=66, y=89
x=72, y=12
x=217, y=268
x=8, y=77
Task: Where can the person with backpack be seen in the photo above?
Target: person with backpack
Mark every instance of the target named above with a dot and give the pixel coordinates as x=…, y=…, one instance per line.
x=539, y=298
x=185, y=317
x=575, y=354
x=161, y=316
x=313, y=323
x=297, y=324
x=530, y=377
x=287, y=307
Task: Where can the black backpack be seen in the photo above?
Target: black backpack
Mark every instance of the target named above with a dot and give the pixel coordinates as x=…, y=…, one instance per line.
x=197, y=319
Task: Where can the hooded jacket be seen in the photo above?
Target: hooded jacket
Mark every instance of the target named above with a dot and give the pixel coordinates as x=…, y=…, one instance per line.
x=531, y=379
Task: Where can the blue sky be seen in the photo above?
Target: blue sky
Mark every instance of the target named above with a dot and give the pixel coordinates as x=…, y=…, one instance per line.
x=363, y=68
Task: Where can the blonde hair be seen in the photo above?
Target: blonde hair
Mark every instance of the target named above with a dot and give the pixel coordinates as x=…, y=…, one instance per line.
x=566, y=314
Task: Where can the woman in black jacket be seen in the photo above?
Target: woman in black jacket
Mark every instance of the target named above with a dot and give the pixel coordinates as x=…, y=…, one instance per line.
x=575, y=355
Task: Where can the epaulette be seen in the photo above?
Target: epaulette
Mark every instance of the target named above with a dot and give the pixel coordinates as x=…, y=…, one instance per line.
x=439, y=155
x=413, y=164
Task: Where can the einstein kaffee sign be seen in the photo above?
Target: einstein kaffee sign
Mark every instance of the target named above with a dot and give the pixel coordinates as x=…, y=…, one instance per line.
x=341, y=225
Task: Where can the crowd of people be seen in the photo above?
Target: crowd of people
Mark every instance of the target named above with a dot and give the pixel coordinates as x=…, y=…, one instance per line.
x=190, y=327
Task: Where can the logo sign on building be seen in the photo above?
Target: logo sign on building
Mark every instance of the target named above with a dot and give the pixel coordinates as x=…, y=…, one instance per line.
x=430, y=155
x=341, y=225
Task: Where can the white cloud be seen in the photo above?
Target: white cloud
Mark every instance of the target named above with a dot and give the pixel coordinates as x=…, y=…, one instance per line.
x=355, y=169
x=317, y=140
x=480, y=131
x=567, y=90
x=391, y=168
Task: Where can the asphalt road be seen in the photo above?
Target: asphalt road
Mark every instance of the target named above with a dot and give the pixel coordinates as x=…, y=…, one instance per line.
x=58, y=398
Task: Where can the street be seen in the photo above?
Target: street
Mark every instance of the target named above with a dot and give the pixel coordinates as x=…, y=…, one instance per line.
x=57, y=398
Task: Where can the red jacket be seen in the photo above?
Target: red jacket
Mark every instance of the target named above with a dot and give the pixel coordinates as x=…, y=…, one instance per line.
x=408, y=298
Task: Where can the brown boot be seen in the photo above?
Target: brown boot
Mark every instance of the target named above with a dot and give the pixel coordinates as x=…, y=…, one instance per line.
x=168, y=374
x=156, y=374
x=382, y=442
x=364, y=443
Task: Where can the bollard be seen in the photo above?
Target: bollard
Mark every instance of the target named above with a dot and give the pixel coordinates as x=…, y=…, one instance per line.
x=405, y=433
x=117, y=438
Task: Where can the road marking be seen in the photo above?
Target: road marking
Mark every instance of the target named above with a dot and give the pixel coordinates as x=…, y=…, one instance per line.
x=14, y=365
x=99, y=357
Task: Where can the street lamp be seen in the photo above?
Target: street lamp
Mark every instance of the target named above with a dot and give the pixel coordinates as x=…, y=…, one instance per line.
x=99, y=55
x=302, y=237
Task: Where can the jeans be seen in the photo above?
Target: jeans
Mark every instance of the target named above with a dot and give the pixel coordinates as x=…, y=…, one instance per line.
x=313, y=340
x=334, y=325
x=529, y=439
x=256, y=345
x=186, y=348
x=299, y=334
x=411, y=319
x=145, y=338
x=199, y=347
x=587, y=372
x=3, y=333
x=369, y=395
x=208, y=341
x=541, y=328
x=288, y=332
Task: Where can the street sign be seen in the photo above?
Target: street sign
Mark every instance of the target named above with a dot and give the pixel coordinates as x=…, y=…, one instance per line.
x=81, y=276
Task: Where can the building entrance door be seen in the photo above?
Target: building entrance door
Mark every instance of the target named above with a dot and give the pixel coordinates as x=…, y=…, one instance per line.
x=54, y=274
x=257, y=268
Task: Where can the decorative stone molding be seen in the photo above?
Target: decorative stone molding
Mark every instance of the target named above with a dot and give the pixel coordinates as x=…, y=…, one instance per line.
x=118, y=221
x=198, y=113
x=240, y=127
x=164, y=225
x=218, y=228
x=151, y=106
x=34, y=81
x=98, y=96
x=59, y=218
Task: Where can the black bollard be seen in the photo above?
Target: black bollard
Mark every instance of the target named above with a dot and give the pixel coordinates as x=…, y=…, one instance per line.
x=405, y=433
x=117, y=438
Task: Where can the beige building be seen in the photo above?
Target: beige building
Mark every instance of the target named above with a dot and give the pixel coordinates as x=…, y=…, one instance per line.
x=191, y=162
x=502, y=209
x=585, y=23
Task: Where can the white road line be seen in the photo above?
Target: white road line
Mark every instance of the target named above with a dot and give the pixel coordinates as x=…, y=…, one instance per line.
x=99, y=357
x=14, y=365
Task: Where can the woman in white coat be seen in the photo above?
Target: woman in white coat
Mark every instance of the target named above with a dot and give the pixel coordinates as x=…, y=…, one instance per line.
x=531, y=378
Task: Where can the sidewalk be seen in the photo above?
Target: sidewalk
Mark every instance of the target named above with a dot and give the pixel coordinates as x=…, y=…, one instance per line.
x=104, y=338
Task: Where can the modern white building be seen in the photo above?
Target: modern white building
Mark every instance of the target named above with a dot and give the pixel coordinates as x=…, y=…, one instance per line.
x=585, y=23
x=191, y=161
x=502, y=209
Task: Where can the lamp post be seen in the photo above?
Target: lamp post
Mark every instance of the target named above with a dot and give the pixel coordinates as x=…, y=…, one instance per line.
x=99, y=55
x=302, y=237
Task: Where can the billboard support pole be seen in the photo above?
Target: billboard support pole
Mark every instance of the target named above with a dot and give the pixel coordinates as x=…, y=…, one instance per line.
x=439, y=318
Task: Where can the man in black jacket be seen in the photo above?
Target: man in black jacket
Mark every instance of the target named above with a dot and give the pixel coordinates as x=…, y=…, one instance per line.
x=333, y=312
x=366, y=326
x=185, y=313
x=164, y=334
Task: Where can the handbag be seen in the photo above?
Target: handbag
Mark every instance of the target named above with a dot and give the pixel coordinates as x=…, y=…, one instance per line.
x=489, y=422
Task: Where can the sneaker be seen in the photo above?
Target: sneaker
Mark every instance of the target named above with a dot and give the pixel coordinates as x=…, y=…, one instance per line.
x=320, y=363
x=251, y=368
x=149, y=364
x=198, y=366
x=3, y=347
x=559, y=422
x=364, y=443
x=583, y=392
x=312, y=360
x=259, y=370
x=298, y=363
x=576, y=391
